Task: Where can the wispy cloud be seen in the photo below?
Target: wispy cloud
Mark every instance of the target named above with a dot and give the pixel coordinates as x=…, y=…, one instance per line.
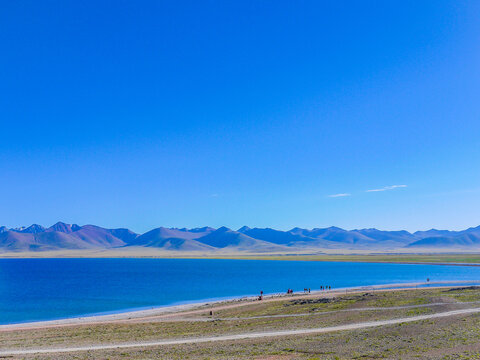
x=339, y=195
x=385, y=188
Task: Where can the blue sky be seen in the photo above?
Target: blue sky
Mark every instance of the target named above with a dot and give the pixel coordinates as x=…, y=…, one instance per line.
x=141, y=114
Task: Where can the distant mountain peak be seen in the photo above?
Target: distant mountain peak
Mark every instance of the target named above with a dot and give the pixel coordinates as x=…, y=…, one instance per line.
x=64, y=228
x=202, y=229
x=335, y=228
x=244, y=228
x=34, y=229
x=296, y=229
x=473, y=228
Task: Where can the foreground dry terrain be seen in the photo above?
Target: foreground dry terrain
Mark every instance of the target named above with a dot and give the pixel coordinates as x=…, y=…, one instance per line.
x=449, y=337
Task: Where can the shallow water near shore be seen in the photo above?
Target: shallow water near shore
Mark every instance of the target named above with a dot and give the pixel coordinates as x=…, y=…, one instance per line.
x=46, y=289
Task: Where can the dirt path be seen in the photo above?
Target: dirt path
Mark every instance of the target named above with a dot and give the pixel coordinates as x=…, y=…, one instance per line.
x=320, y=313
x=256, y=335
x=179, y=318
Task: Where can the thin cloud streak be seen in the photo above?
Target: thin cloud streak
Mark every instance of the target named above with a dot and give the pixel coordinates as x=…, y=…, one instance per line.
x=385, y=188
x=339, y=195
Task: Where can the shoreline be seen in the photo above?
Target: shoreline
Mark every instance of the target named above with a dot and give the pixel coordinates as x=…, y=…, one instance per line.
x=433, y=258
x=178, y=309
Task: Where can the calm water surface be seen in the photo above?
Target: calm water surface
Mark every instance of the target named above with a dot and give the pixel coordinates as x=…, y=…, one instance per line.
x=43, y=289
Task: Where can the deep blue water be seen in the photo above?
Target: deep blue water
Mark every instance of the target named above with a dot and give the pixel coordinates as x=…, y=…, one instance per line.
x=42, y=289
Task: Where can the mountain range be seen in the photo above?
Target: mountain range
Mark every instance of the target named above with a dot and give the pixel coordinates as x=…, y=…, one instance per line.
x=61, y=236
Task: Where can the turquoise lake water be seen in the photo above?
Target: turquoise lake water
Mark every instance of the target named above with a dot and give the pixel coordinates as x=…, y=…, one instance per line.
x=44, y=289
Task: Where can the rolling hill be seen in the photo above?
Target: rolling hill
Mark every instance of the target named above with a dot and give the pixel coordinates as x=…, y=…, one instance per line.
x=225, y=238
x=469, y=238
x=173, y=239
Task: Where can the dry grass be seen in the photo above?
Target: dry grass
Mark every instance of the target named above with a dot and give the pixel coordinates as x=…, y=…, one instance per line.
x=446, y=338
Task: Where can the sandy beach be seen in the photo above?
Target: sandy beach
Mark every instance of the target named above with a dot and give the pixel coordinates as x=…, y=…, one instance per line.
x=173, y=311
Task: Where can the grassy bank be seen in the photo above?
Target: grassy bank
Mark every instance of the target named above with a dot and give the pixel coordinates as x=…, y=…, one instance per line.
x=383, y=258
x=446, y=338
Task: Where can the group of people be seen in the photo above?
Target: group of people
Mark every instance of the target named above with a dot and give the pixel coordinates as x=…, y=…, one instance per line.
x=305, y=291
x=308, y=290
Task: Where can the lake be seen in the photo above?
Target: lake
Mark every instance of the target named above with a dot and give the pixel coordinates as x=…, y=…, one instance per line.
x=45, y=289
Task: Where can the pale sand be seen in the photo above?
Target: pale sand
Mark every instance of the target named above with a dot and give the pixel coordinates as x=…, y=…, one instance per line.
x=195, y=308
x=142, y=252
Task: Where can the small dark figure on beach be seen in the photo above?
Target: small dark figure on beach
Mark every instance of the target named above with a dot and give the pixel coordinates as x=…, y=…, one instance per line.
x=329, y=287
x=211, y=313
x=309, y=290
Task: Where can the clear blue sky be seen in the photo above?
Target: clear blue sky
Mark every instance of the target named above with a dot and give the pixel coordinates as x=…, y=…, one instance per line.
x=141, y=114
